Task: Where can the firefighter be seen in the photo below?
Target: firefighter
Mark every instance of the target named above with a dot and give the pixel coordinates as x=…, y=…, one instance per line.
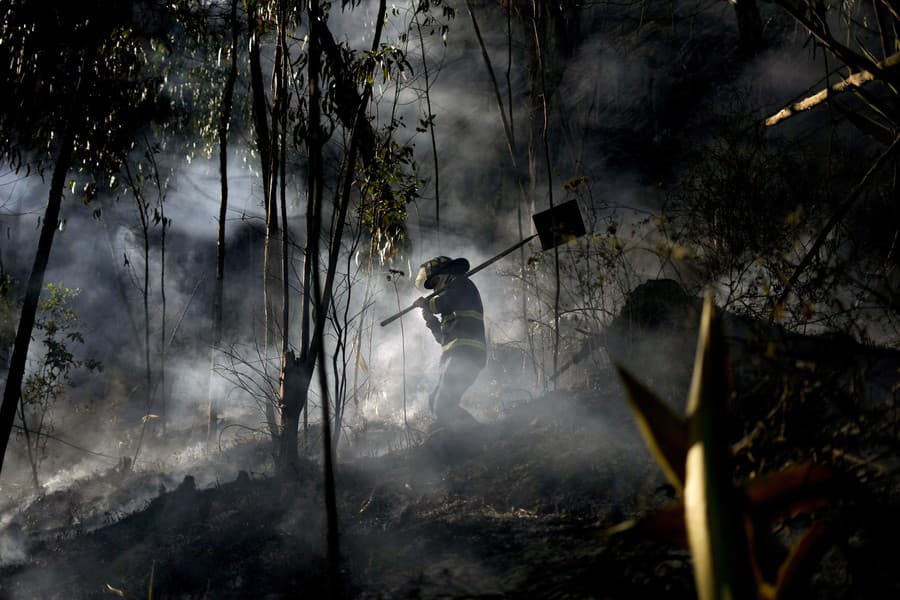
x=460, y=331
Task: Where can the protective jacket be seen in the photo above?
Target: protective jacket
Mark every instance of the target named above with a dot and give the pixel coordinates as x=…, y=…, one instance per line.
x=460, y=330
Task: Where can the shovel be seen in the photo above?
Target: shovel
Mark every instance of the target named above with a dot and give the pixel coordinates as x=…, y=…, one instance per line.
x=555, y=226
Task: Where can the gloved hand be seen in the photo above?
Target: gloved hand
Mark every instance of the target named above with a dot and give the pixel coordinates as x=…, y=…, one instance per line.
x=421, y=302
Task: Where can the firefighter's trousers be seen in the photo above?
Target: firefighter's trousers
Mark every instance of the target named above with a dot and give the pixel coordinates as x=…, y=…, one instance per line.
x=458, y=373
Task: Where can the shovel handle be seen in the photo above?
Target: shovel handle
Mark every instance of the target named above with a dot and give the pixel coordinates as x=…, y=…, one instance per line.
x=396, y=316
x=471, y=272
x=491, y=261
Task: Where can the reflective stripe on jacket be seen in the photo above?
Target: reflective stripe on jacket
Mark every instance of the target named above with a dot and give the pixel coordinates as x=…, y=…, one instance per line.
x=461, y=328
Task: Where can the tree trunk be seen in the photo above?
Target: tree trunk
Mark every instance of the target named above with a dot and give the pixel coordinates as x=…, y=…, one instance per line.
x=31, y=447
x=264, y=147
x=295, y=380
x=148, y=372
x=541, y=92
x=260, y=110
x=162, y=333
x=13, y=390
x=219, y=297
x=291, y=398
x=282, y=113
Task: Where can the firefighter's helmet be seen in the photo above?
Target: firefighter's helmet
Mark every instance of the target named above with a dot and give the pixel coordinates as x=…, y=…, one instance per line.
x=439, y=265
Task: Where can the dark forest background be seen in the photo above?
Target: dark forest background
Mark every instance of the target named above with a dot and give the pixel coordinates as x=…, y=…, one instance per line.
x=207, y=207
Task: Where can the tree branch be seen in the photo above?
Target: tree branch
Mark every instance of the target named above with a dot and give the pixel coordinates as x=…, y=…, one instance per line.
x=855, y=80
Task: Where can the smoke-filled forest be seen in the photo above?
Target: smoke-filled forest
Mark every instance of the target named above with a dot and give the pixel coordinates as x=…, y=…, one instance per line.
x=449, y=299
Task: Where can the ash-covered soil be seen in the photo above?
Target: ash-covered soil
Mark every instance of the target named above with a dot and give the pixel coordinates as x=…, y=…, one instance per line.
x=514, y=509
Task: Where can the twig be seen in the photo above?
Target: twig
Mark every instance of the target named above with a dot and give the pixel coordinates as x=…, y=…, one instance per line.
x=69, y=444
x=490, y=68
x=222, y=430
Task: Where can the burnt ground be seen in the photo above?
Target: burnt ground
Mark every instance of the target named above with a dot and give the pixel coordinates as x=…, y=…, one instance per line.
x=510, y=510
x=515, y=509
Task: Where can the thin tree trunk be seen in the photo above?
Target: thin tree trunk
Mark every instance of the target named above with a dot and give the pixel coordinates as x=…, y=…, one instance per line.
x=145, y=231
x=271, y=198
x=317, y=298
x=219, y=296
x=13, y=390
x=278, y=140
x=343, y=201
x=285, y=262
x=268, y=293
x=260, y=110
x=340, y=375
x=162, y=333
x=315, y=183
x=264, y=147
x=294, y=376
x=430, y=120
x=28, y=446
x=148, y=373
x=520, y=184
x=359, y=338
x=305, y=314
x=545, y=111
x=323, y=294
x=509, y=129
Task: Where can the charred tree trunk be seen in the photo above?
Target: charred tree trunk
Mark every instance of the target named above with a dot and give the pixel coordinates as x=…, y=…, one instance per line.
x=13, y=390
x=296, y=375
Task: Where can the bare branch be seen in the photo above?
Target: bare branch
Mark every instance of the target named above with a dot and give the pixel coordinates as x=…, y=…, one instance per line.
x=855, y=80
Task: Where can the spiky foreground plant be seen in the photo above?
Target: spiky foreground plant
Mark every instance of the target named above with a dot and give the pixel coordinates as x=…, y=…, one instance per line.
x=725, y=525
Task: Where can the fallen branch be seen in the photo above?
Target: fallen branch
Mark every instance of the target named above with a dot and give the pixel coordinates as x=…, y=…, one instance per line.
x=855, y=80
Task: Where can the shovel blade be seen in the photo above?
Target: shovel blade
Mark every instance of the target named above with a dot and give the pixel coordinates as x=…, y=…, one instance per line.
x=559, y=224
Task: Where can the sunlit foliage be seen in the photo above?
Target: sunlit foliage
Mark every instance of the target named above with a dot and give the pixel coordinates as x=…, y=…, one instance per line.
x=78, y=65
